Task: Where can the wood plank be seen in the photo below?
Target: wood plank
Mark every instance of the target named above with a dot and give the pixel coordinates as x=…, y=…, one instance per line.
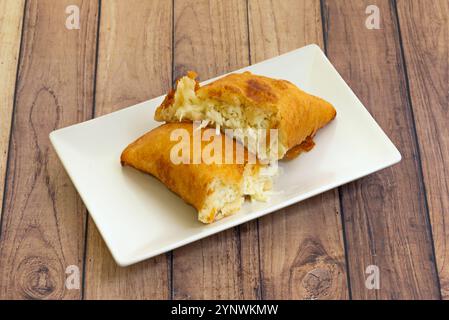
x=211, y=38
x=385, y=214
x=301, y=247
x=425, y=35
x=11, y=17
x=43, y=218
x=134, y=65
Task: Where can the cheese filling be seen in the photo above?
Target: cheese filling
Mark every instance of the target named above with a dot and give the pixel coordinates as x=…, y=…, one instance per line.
x=225, y=200
x=187, y=105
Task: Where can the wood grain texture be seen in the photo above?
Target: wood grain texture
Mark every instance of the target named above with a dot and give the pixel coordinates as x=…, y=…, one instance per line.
x=425, y=35
x=385, y=214
x=301, y=247
x=134, y=65
x=11, y=17
x=210, y=37
x=43, y=218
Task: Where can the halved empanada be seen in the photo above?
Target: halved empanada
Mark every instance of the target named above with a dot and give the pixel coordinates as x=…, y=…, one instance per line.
x=247, y=101
x=215, y=189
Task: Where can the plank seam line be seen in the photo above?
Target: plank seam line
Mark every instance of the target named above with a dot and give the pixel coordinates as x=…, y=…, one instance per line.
x=173, y=44
x=238, y=237
x=345, y=242
x=324, y=23
x=13, y=112
x=260, y=287
x=422, y=185
x=248, y=32
x=94, y=101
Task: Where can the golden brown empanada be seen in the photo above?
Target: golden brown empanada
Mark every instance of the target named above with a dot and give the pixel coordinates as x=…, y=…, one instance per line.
x=216, y=189
x=248, y=101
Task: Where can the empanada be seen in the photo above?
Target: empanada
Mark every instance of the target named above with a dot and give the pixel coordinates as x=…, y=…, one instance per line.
x=215, y=189
x=248, y=101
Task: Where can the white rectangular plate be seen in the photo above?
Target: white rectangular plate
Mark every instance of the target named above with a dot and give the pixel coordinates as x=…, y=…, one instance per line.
x=139, y=217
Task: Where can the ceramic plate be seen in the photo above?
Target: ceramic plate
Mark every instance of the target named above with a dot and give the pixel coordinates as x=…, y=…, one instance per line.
x=139, y=217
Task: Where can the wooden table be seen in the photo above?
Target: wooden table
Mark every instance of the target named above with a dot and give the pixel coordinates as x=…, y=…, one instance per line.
x=129, y=51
